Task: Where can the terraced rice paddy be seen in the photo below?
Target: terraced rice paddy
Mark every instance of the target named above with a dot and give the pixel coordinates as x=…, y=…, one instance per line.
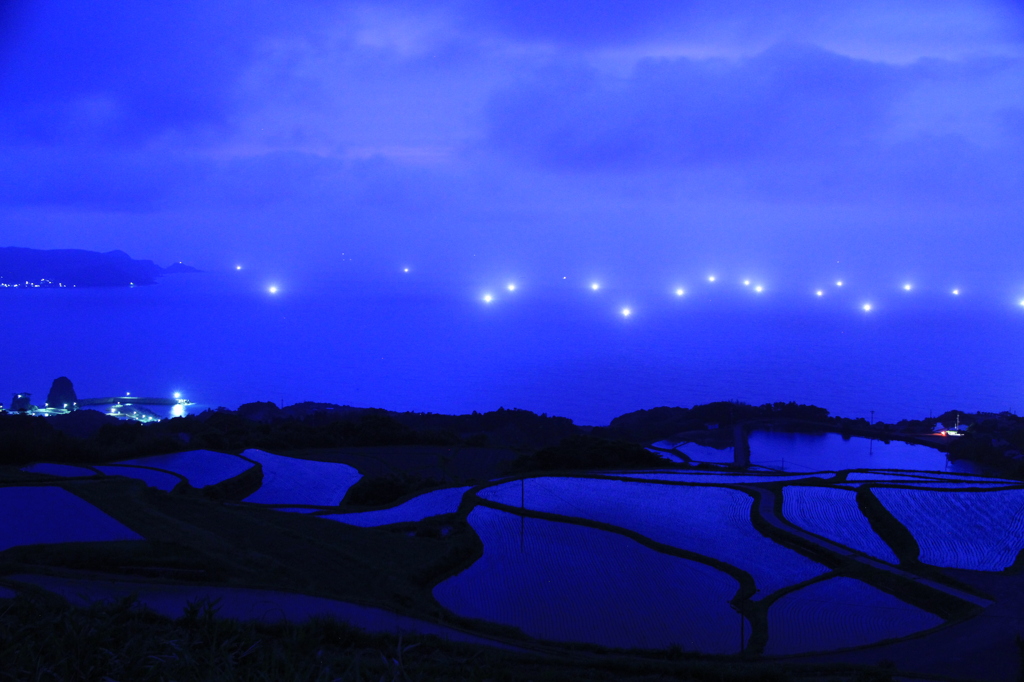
x=62, y=470
x=833, y=514
x=418, y=508
x=931, y=481
x=299, y=510
x=839, y=613
x=287, y=480
x=565, y=582
x=704, y=453
x=953, y=476
x=952, y=485
x=671, y=456
x=980, y=531
x=717, y=479
x=714, y=522
x=200, y=467
x=241, y=603
x=47, y=514
x=880, y=476
x=160, y=480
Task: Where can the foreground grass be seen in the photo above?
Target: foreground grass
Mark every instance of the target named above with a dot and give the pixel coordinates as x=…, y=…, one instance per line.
x=42, y=638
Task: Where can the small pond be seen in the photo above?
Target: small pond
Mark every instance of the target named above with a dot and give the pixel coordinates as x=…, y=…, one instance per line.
x=799, y=452
x=830, y=451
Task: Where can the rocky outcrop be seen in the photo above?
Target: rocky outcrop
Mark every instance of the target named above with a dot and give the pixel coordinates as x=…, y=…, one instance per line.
x=62, y=393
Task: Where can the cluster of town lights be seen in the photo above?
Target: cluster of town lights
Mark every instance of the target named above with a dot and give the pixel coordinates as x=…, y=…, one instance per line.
x=41, y=284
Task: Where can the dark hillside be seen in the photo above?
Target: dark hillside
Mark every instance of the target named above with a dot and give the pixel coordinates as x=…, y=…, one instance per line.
x=78, y=268
x=664, y=422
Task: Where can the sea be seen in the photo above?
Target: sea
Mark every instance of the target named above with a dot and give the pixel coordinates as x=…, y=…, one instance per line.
x=559, y=347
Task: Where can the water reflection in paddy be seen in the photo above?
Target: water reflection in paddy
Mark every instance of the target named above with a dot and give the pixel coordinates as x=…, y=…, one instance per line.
x=797, y=452
x=814, y=452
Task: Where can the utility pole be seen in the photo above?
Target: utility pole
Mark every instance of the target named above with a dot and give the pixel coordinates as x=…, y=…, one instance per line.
x=522, y=517
x=743, y=634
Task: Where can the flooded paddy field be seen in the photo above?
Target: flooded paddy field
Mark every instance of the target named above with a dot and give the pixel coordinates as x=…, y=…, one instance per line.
x=799, y=563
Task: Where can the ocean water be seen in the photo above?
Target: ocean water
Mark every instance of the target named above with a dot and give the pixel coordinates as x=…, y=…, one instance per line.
x=224, y=340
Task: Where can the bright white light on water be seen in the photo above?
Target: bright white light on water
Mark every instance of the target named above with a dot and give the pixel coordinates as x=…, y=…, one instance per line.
x=711, y=278
x=272, y=290
x=178, y=411
x=759, y=288
x=511, y=287
x=956, y=292
x=679, y=292
x=595, y=286
x=866, y=307
x=907, y=287
x=839, y=283
x=626, y=312
x=746, y=282
x=819, y=292
x=488, y=298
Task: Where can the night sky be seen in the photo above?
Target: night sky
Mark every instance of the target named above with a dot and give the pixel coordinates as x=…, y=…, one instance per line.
x=468, y=140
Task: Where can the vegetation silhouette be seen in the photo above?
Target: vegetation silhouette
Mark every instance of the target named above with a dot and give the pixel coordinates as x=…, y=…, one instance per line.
x=548, y=443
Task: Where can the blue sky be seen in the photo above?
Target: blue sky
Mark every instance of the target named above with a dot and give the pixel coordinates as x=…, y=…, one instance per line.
x=637, y=141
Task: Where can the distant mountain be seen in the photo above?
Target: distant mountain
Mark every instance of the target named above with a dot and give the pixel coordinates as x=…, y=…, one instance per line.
x=78, y=268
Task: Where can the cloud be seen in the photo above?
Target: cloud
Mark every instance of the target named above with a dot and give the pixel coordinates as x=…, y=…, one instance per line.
x=793, y=121
x=570, y=135
x=916, y=25
x=117, y=180
x=573, y=21
x=786, y=102
x=103, y=72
